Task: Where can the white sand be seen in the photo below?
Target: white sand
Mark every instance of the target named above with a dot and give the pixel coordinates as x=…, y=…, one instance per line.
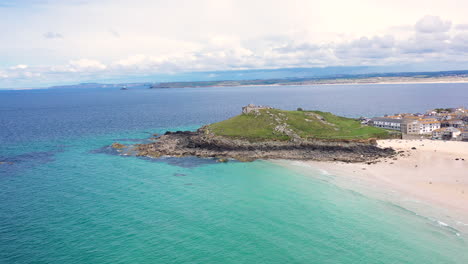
x=429, y=176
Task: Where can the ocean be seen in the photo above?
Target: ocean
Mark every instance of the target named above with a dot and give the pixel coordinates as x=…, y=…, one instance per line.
x=66, y=197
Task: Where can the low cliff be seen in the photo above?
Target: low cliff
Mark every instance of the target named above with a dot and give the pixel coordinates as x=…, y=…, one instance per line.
x=203, y=144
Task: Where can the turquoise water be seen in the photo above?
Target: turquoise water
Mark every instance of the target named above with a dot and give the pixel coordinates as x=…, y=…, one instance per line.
x=66, y=198
x=86, y=207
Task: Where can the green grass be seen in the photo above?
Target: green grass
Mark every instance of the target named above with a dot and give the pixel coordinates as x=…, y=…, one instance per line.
x=303, y=123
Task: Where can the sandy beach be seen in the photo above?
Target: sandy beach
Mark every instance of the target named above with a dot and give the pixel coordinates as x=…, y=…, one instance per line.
x=431, y=179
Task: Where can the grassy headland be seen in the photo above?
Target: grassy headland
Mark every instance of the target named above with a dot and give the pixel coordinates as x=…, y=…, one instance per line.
x=275, y=124
x=261, y=132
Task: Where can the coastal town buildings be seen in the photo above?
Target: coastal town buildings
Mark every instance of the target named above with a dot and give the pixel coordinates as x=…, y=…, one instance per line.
x=446, y=124
x=464, y=134
x=446, y=133
x=427, y=125
x=458, y=123
x=387, y=123
x=411, y=127
x=419, y=126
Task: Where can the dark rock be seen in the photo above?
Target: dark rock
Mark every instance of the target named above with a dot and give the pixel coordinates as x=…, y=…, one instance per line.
x=413, y=148
x=204, y=144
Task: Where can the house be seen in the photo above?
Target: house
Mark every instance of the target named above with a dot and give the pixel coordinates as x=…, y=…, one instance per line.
x=253, y=108
x=453, y=123
x=428, y=125
x=410, y=126
x=419, y=126
x=364, y=120
x=446, y=133
x=463, y=135
x=387, y=123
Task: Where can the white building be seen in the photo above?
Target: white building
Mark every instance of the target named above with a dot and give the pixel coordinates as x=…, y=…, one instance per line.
x=387, y=123
x=428, y=125
x=420, y=126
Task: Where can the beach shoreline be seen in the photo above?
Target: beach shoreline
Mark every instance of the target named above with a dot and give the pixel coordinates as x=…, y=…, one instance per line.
x=427, y=177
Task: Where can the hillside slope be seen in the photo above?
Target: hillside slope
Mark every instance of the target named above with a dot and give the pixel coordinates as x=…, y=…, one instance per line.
x=275, y=124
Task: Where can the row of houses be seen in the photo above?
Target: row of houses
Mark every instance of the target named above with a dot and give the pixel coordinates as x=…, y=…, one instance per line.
x=446, y=124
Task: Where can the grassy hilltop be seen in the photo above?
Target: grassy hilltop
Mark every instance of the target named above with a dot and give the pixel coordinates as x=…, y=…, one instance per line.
x=275, y=124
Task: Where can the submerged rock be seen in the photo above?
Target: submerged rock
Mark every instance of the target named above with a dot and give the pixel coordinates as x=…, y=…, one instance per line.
x=118, y=145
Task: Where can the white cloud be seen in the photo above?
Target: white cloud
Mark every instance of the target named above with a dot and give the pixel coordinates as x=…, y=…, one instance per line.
x=132, y=61
x=365, y=48
x=19, y=67
x=460, y=42
x=52, y=35
x=432, y=24
x=86, y=65
x=143, y=37
x=462, y=27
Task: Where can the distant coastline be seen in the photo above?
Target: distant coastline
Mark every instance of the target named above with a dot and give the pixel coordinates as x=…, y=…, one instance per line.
x=395, y=78
x=435, y=81
x=321, y=82
x=281, y=80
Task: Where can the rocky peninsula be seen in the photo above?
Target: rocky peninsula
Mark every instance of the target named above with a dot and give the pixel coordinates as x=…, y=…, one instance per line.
x=267, y=133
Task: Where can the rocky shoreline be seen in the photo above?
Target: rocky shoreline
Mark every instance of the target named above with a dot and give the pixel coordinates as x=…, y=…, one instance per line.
x=203, y=144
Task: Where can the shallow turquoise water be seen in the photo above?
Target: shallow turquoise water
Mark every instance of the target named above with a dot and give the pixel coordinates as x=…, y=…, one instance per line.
x=67, y=199
x=86, y=207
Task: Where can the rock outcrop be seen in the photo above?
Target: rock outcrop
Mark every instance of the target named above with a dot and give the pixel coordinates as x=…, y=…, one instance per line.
x=118, y=145
x=204, y=144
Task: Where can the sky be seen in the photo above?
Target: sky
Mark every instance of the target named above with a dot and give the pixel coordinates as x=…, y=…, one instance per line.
x=49, y=42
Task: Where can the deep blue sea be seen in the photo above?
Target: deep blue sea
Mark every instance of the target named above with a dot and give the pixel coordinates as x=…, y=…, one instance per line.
x=65, y=197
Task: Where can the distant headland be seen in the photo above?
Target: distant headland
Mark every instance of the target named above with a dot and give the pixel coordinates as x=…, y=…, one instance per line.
x=372, y=78
x=277, y=77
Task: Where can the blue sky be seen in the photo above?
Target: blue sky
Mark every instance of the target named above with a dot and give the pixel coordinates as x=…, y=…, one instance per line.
x=48, y=42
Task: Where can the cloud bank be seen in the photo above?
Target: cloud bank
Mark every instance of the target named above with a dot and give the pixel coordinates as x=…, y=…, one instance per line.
x=107, y=39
